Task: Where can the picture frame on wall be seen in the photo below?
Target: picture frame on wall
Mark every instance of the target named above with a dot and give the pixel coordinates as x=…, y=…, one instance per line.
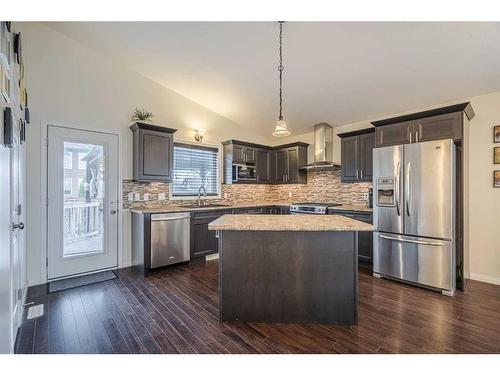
x=5, y=44
x=496, y=134
x=496, y=179
x=4, y=84
x=496, y=155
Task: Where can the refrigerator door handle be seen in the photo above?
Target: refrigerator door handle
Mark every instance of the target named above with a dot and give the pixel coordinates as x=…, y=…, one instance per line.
x=398, y=173
x=408, y=192
x=418, y=242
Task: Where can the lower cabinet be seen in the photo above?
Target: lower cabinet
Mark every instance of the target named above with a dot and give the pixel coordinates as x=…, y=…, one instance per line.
x=365, y=239
x=203, y=241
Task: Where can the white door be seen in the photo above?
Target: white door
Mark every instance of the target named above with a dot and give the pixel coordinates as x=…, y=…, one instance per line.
x=82, y=192
x=16, y=234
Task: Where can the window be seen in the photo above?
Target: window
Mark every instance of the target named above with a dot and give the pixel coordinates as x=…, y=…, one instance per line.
x=195, y=166
x=82, y=164
x=68, y=186
x=68, y=160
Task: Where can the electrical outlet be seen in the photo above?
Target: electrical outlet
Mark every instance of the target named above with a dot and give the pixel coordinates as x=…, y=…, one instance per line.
x=130, y=197
x=145, y=197
x=137, y=196
x=365, y=196
x=225, y=195
x=289, y=194
x=161, y=196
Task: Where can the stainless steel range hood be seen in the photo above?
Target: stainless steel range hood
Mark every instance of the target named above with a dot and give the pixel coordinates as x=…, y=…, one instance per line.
x=323, y=147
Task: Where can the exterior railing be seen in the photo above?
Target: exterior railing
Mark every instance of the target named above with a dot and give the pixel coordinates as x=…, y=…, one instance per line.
x=82, y=219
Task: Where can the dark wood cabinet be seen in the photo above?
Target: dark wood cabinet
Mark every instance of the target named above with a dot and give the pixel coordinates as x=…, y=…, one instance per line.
x=289, y=160
x=204, y=241
x=263, y=165
x=438, y=127
x=357, y=155
x=432, y=125
x=365, y=239
x=274, y=165
x=349, y=158
x=153, y=152
x=366, y=146
x=394, y=134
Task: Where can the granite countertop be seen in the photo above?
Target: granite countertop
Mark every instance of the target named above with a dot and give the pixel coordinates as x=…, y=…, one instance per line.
x=352, y=207
x=180, y=208
x=289, y=223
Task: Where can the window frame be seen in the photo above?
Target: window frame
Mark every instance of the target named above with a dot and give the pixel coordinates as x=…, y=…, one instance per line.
x=219, y=166
x=70, y=179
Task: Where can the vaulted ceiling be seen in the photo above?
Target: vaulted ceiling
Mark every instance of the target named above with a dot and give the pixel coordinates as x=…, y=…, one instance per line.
x=334, y=72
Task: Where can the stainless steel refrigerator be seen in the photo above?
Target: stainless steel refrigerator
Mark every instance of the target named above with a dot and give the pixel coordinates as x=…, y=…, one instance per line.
x=414, y=213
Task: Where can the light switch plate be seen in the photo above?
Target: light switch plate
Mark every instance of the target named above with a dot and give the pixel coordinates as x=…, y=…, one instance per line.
x=145, y=197
x=130, y=197
x=289, y=194
x=137, y=196
x=35, y=311
x=161, y=196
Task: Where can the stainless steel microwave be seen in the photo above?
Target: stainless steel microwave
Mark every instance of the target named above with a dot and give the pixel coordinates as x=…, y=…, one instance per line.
x=242, y=172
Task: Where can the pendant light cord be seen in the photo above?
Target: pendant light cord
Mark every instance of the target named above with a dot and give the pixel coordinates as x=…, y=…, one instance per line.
x=280, y=69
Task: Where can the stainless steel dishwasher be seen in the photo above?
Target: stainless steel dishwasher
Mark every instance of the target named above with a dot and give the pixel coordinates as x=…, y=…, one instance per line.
x=170, y=238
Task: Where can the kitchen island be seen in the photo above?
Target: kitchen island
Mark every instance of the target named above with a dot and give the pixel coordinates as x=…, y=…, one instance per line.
x=291, y=268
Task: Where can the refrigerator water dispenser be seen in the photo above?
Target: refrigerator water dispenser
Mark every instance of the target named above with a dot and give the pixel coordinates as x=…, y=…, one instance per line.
x=385, y=192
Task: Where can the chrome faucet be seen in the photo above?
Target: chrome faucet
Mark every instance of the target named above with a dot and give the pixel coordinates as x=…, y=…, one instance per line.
x=199, y=194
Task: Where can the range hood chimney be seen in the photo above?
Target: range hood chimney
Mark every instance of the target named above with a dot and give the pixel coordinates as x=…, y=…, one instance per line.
x=323, y=147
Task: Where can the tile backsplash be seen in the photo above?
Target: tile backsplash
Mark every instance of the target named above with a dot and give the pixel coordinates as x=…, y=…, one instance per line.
x=323, y=185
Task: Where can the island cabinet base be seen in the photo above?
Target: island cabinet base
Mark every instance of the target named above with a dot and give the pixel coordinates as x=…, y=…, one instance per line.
x=285, y=277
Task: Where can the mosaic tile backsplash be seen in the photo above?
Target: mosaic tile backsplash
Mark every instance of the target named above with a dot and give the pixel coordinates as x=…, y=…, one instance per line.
x=323, y=185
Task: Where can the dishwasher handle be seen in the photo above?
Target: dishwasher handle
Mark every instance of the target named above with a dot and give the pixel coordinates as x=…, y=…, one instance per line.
x=170, y=216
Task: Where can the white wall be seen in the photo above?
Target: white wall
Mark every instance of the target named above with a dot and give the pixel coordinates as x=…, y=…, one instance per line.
x=71, y=84
x=484, y=200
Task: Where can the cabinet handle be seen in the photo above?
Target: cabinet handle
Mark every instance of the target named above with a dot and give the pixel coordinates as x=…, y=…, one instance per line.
x=416, y=136
x=361, y=174
x=410, y=137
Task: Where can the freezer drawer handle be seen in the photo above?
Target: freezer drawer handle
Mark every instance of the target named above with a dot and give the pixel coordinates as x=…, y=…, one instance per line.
x=410, y=241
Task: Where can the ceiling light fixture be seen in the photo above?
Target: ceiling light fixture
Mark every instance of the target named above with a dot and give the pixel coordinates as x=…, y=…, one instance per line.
x=281, y=129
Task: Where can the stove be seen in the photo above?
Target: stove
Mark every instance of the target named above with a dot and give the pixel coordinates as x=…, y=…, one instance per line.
x=311, y=208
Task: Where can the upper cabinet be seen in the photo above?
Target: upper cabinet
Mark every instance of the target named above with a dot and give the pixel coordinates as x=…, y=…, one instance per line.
x=436, y=124
x=287, y=164
x=273, y=165
x=357, y=155
x=153, y=152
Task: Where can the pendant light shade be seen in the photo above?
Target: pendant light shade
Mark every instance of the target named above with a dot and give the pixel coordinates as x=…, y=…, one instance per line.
x=281, y=129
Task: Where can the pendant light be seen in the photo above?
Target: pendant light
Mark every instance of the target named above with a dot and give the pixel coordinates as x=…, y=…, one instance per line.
x=281, y=129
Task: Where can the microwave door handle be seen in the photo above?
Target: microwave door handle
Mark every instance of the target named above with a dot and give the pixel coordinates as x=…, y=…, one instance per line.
x=398, y=172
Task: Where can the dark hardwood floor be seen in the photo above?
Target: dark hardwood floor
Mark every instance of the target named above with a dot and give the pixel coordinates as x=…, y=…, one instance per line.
x=175, y=311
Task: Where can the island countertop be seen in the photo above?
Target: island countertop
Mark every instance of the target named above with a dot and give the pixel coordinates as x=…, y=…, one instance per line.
x=289, y=223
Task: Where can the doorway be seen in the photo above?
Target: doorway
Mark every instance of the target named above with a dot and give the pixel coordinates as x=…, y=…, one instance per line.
x=82, y=201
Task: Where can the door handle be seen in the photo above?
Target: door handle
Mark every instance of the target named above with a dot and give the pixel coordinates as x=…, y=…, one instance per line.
x=418, y=242
x=113, y=211
x=398, y=172
x=408, y=189
x=18, y=226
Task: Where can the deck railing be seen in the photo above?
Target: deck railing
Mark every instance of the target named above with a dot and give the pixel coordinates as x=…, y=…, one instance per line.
x=82, y=219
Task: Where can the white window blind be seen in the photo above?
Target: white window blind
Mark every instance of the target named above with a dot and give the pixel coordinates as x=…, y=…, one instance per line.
x=195, y=166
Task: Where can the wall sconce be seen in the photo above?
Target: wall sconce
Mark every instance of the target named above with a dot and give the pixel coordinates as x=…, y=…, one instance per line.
x=198, y=136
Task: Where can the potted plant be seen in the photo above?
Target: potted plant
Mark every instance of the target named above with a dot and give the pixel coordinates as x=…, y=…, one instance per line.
x=141, y=115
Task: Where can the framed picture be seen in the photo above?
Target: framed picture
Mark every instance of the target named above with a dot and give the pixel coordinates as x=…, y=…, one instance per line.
x=496, y=134
x=496, y=179
x=5, y=44
x=5, y=83
x=496, y=155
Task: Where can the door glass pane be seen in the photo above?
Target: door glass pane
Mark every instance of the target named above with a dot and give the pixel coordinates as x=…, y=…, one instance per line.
x=83, y=199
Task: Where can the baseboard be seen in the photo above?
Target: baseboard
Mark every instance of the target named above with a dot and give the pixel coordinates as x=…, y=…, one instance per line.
x=485, y=278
